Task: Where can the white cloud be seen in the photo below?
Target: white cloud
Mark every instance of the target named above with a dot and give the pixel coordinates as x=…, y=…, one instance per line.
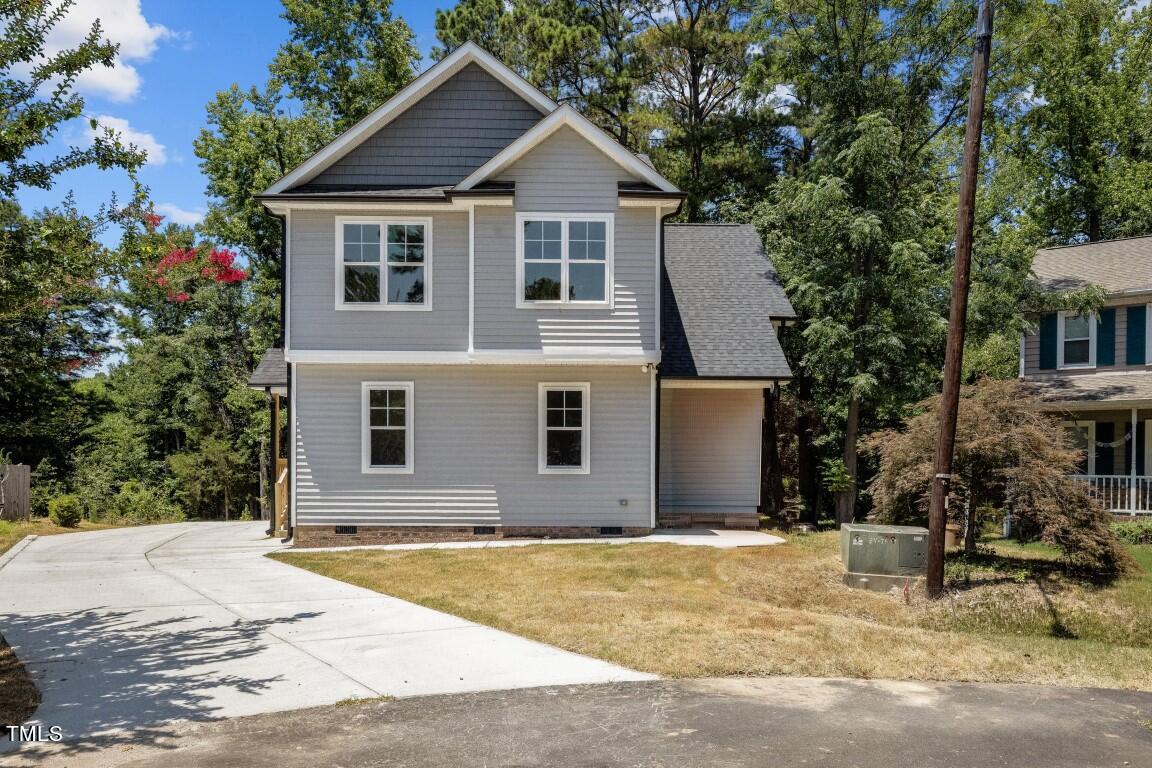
x=129, y=135
x=178, y=215
x=782, y=98
x=121, y=22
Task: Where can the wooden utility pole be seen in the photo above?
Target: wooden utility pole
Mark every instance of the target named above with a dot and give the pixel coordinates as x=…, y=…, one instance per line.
x=958, y=313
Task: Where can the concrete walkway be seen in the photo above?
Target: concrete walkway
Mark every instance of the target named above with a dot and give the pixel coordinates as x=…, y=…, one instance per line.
x=125, y=629
x=707, y=723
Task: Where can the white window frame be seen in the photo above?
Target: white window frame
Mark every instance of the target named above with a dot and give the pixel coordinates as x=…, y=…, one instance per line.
x=366, y=389
x=383, y=304
x=1060, y=364
x=1091, y=425
x=585, y=428
x=609, y=220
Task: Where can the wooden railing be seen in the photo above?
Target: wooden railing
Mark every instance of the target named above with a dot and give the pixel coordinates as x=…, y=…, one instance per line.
x=280, y=498
x=1121, y=493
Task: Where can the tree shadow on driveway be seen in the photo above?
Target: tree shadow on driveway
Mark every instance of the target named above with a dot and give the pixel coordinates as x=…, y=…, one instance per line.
x=114, y=676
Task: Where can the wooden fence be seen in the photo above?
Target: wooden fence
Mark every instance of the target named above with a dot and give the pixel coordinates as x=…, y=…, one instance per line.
x=15, y=483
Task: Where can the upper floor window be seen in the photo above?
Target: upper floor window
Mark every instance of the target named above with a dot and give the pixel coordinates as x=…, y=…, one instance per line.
x=1076, y=340
x=383, y=264
x=564, y=259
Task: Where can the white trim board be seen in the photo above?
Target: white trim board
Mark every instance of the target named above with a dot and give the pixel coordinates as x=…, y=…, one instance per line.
x=563, y=116
x=591, y=356
x=425, y=83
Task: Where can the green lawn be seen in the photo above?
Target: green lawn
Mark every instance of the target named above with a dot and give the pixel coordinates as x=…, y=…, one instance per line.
x=698, y=612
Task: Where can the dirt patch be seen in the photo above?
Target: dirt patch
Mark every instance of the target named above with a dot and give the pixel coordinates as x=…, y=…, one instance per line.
x=19, y=697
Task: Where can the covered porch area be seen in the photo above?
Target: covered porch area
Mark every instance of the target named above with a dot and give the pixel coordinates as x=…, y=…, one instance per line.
x=1108, y=417
x=271, y=377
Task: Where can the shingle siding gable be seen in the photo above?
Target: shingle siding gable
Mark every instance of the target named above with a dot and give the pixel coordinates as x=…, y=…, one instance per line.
x=439, y=140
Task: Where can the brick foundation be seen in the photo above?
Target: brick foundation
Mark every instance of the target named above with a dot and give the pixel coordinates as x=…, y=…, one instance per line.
x=326, y=536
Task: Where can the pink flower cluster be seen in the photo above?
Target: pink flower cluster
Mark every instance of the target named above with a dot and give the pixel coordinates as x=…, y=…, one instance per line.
x=220, y=268
x=152, y=220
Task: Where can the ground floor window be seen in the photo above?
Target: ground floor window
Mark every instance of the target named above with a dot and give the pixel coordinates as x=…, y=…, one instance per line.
x=386, y=424
x=563, y=428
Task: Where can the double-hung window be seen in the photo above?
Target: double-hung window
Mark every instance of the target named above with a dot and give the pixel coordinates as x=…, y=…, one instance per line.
x=386, y=424
x=383, y=264
x=563, y=439
x=564, y=259
x=1076, y=347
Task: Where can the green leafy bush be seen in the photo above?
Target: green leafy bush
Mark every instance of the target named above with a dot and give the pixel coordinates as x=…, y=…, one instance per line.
x=139, y=503
x=1139, y=532
x=66, y=511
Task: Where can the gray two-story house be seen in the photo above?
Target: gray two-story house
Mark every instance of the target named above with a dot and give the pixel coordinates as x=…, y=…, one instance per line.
x=1096, y=370
x=490, y=329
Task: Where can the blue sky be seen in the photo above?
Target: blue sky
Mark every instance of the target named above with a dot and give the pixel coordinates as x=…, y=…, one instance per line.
x=175, y=56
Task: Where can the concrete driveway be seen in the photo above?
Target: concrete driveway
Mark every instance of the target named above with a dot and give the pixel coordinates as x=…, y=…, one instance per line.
x=130, y=628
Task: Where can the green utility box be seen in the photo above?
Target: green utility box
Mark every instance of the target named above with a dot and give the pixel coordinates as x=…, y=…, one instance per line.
x=883, y=556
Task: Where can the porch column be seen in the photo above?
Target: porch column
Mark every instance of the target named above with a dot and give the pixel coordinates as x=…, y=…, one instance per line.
x=1132, y=464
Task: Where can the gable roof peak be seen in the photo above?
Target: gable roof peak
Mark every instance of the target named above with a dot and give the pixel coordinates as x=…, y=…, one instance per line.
x=420, y=86
x=566, y=115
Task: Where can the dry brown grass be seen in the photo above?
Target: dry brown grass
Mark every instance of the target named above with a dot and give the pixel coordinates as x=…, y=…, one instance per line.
x=700, y=612
x=18, y=695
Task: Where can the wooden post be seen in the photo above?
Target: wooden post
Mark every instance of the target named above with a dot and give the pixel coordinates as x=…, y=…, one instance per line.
x=958, y=312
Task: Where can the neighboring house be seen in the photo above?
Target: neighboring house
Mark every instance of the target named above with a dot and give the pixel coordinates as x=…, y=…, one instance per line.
x=491, y=330
x=1095, y=369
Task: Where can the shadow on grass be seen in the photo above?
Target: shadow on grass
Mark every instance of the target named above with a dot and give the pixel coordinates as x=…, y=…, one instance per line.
x=111, y=677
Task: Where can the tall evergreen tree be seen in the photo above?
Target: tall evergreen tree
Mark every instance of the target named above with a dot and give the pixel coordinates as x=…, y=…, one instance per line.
x=344, y=56
x=861, y=224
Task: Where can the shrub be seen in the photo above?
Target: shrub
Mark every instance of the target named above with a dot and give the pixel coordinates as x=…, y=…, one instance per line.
x=1138, y=532
x=1009, y=455
x=66, y=511
x=139, y=503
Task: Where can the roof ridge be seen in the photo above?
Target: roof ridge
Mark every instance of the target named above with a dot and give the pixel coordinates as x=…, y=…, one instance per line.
x=706, y=224
x=1095, y=242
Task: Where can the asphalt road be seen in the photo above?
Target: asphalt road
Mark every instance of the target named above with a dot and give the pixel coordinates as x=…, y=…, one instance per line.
x=714, y=723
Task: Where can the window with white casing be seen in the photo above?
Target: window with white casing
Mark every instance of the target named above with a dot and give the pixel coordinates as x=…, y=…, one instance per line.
x=383, y=263
x=564, y=259
x=1076, y=342
x=564, y=428
x=386, y=419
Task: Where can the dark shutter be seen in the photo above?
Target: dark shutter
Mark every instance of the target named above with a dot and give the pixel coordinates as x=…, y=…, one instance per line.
x=1135, y=335
x=1106, y=337
x=1048, y=341
x=1105, y=455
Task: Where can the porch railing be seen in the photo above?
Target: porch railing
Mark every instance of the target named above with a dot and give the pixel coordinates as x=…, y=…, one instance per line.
x=1121, y=493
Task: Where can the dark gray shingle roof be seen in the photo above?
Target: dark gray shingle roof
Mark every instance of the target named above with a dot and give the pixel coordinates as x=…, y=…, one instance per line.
x=1115, y=265
x=1092, y=387
x=720, y=295
x=271, y=372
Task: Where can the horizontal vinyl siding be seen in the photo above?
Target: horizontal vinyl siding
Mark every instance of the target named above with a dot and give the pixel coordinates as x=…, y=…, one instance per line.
x=566, y=174
x=1032, y=348
x=630, y=323
x=710, y=448
x=441, y=139
x=317, y=325
x=475, y=446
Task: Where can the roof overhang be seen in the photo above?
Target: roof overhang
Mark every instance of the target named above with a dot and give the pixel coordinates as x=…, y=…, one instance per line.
x=566, y=116
x=421, y=86
x=734, y=382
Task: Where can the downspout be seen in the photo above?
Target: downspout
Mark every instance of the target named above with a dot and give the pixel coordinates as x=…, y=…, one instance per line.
x=659, y=324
